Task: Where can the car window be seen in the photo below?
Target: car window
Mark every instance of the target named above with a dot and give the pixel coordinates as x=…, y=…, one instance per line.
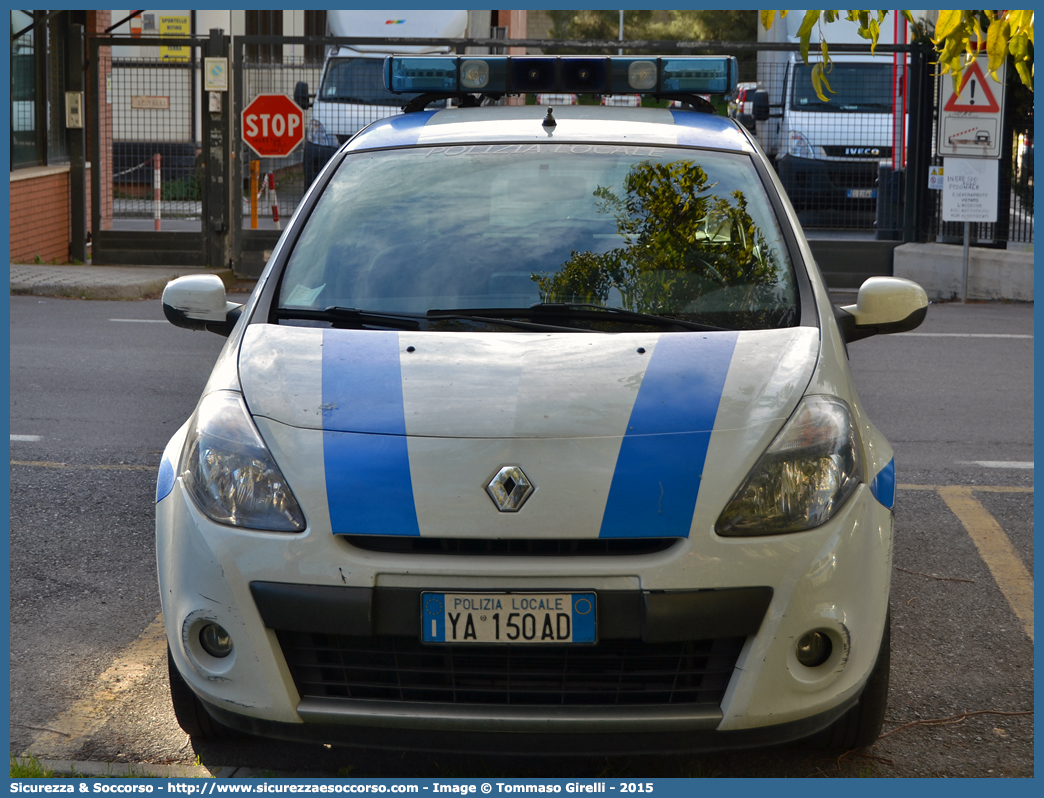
x=685, y=233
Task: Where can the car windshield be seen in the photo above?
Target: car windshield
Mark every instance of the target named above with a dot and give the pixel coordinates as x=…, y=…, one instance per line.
x=683, y=233
x=359, y=81
x=859, y=88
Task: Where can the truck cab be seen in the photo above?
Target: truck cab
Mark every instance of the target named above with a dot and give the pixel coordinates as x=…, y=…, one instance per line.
x=351, y=92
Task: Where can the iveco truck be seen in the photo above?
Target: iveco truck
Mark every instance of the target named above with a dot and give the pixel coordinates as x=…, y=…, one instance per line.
x=351, y=91
x=828, y=152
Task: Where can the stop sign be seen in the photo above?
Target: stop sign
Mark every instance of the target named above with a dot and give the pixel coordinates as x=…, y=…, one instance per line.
x=273, y=125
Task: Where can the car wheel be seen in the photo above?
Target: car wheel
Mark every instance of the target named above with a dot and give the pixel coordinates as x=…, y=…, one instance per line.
x=192, y=716
x=861, y=725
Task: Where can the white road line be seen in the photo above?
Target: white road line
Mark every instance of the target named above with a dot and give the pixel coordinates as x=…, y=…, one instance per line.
x=25, y=438
x=965, y=335
x=144, y=321
x=999, y=463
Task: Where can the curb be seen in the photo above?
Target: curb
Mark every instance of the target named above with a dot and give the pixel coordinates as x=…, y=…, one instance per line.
x=101, y=282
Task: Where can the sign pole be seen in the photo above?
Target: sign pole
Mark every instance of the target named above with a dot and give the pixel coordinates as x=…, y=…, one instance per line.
x=964, y=269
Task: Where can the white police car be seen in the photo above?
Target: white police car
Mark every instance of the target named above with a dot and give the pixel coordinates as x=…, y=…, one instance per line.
x=537, y=434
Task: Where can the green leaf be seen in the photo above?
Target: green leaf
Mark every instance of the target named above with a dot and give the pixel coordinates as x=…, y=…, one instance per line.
x=875, y=31
x=1025, y=70
x=805, y=31
x=767, y=17
x=947, y=24
x=997, y=45
x=819, y=81
x=909, y=18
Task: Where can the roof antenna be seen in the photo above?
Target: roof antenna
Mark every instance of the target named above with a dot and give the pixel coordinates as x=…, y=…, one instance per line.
x=549, y=120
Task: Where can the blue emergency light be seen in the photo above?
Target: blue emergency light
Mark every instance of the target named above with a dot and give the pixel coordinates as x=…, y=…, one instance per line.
x=466, y=74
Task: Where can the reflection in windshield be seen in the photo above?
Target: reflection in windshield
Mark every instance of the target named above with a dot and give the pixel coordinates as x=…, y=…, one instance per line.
x=681, y=240
x=685, y=233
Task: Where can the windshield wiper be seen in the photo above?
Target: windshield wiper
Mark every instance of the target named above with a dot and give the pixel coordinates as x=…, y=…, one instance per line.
x=509, y=317
x=354, y=317
x=589, y=312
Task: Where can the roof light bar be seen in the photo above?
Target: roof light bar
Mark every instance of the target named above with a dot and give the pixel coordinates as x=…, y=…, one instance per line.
x=678, y=75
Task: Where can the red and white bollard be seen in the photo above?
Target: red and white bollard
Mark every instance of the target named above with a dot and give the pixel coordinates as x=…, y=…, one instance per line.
x=275, y=202
x=156, y=159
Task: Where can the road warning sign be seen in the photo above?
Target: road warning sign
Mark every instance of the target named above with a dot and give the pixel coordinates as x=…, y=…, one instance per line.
x=970, y=119
x=965, y=99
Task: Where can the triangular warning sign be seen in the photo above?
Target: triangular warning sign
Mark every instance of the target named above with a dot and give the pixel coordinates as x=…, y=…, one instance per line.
x=975, y=94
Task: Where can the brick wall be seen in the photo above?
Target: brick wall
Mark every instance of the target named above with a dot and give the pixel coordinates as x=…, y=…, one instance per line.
x=40, y=214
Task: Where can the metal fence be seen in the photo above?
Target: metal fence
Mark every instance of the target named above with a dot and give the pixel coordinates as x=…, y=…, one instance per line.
x=281, y=181
x=829, y=151
x=154, y=132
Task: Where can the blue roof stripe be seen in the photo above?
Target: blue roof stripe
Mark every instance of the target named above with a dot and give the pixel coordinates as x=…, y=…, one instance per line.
x=395, y=131
x=697, y=129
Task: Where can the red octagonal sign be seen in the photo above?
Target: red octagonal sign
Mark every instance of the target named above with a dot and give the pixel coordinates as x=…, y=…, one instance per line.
x=273, y=125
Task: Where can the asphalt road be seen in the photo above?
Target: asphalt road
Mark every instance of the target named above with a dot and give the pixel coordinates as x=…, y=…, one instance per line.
x=95, y=397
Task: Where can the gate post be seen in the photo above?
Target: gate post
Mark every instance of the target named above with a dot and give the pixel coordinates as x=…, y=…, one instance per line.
x=216, y=164
x=919, y=149
x=77, y=149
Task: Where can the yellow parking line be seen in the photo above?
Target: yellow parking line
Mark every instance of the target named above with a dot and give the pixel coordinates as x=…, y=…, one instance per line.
x=68, y=732
x=977, y=488
x=51, y=464
x=996, y=551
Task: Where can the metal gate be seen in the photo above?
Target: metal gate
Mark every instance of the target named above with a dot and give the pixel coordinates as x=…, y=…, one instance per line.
x=148, y=104
x=149, y=189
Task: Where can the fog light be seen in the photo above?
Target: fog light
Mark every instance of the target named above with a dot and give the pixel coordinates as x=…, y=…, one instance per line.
x=215, y=640
x=814, y=649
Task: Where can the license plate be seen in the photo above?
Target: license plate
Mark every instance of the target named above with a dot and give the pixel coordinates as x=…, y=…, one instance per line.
x=862, y=193
x=511, y=618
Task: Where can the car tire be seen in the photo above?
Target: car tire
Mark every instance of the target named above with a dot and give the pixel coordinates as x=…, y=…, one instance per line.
x=191, y=715
x=861, y=725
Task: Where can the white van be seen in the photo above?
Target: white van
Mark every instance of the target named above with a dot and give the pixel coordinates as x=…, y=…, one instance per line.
x=828, y=153
x=351, y=92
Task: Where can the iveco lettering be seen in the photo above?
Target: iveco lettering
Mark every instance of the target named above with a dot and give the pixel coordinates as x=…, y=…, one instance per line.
x=537, y=435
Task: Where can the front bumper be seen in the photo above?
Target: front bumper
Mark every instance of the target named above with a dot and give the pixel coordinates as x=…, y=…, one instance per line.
x=830, y=188
x=539, y=742
x=764, y=593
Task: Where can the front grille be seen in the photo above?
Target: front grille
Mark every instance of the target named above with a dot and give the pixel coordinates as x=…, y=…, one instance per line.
x=853, y=175
x=613, y=672
x=518, y=547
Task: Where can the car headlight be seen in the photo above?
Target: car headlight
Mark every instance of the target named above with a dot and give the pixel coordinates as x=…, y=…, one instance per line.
x=229, y=471
x=798, y=146
x=317, y=134
x=803, y=478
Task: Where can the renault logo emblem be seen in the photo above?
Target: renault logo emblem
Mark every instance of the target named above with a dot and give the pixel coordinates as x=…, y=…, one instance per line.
x=509, y=489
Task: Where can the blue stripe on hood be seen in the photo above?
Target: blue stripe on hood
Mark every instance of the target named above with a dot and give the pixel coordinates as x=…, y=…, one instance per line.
x=368, y=486
x=661, y=460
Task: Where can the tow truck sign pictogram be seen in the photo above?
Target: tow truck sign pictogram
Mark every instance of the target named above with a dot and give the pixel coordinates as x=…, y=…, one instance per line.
x=970, y=118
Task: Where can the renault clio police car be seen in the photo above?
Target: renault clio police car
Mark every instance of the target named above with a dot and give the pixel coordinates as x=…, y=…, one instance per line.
x=537, y=434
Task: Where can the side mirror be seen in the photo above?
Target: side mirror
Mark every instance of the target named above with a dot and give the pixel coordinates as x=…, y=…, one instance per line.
x=197, y=302
x=761, y=106
x=884, y=305
x=301, y=95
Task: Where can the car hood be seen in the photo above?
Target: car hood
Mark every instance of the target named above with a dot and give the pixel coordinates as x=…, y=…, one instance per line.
x=617, y=426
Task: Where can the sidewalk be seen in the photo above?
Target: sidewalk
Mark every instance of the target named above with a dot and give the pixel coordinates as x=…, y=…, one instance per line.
x=105, y=282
